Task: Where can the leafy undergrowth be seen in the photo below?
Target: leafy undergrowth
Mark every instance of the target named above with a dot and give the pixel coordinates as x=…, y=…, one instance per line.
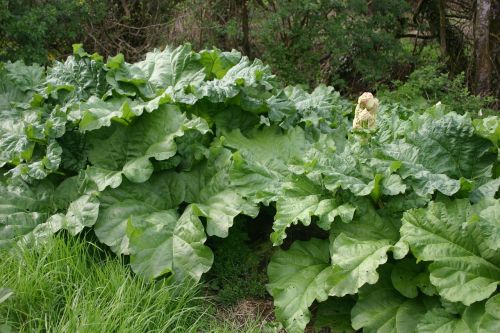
x=384, y=217
x=430, y=84
x=240, y=260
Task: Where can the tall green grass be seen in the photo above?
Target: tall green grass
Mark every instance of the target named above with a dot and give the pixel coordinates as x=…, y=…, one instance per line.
x=71, y=285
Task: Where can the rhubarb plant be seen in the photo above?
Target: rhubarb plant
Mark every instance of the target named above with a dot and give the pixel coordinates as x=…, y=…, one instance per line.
x=157, y=156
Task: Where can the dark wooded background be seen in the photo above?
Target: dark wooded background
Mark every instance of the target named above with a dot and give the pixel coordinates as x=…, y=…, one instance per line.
x=353, y=45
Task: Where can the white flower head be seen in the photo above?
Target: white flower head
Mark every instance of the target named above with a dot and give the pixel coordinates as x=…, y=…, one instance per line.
x=366, y=111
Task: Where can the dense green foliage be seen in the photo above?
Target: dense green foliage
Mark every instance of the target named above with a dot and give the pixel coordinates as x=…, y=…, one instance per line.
x=429, y=85
x=158, y=155
x=352, y=45
x=300, y=34
x=36, y=31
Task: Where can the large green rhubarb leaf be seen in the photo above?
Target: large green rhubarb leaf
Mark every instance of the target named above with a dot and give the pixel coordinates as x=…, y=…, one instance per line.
x=256, y=181
x=440, y=152
x=488, y=189
x=28, y=212
x=171, y=69
x=161, y=192
x=449, y=146
x=349, y=167
x=28, y=128
x=422, y=180
x=208, y=187
x=78, y=207
x=217, y=63
x=81, y=213
x=163, y=242
x=127, y=149
x=301, y=199
x=18, y=80
x=298, y=202
x=488, y=128
x=297, y=278
x=22, y=208
x=481, y=317
x=464, y=267
x=247, y=77
x=269, y=143
x=28, y=141
x=382, y=309
x=261, y=162
x=490, y=322
x=177, y=67
x=358, y=248
x=317, y=109
x=96, y=113
x=81, y=75
x=349, y=170
x=488, y=211
x=141, y=220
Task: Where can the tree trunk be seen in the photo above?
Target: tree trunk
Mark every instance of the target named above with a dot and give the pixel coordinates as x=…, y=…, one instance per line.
x=483, y=65
x=442, y=28
x=495, y=49
x=245, y=27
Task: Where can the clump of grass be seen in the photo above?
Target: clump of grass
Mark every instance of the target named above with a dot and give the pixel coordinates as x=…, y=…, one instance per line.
x=70, y=285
